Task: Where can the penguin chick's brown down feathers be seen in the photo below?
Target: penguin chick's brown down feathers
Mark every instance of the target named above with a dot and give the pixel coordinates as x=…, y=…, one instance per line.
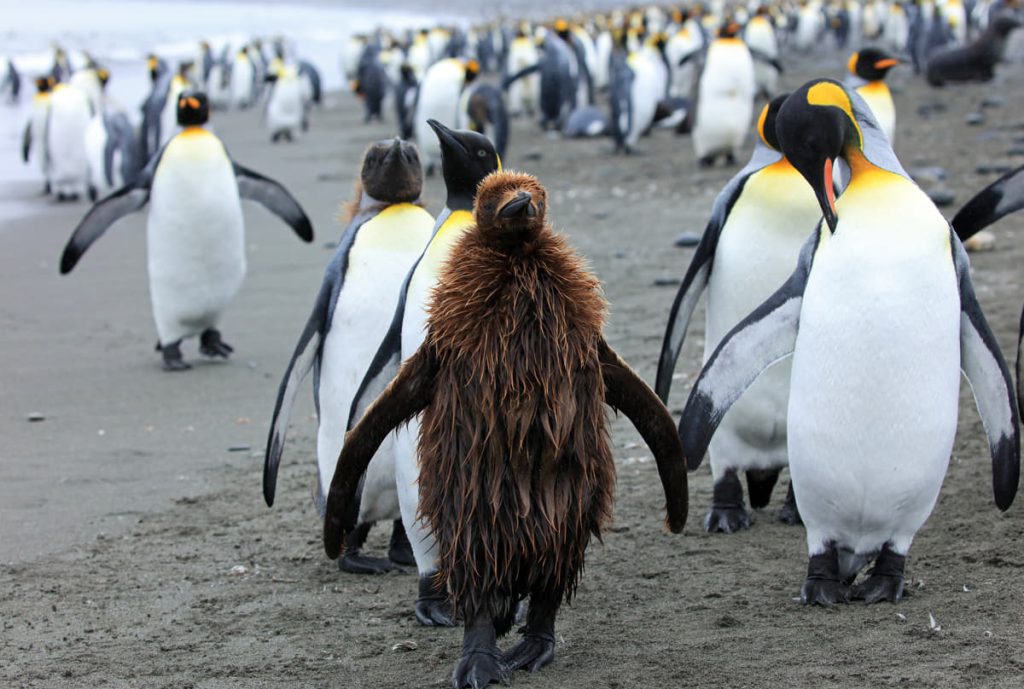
x=516, y=472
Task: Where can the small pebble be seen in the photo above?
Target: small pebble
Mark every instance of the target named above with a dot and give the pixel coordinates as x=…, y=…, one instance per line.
x=974, y=119
x=666, y=282
x=403, y=646
x=941, y=196
x=239, y=448
x=36, y=417
x=992, y=102
x=330, y=245
x=239, y=570
x=687, y=239
x=982, y=241
x=928, y=174
x=992, y=169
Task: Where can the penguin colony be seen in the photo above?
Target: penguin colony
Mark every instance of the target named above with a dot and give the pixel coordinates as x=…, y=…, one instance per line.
x=460, y=370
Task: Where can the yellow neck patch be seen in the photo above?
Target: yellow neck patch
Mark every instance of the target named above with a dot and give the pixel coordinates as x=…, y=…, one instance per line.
x=826, y=93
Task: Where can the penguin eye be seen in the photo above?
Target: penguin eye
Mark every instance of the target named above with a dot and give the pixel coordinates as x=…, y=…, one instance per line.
x=481, y=153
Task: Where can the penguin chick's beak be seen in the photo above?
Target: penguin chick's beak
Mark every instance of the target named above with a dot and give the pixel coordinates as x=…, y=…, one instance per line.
x=519, y=207
x=827, y=196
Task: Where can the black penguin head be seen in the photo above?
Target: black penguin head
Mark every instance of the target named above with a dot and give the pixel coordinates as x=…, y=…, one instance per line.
x=510, y=208
x=871, y=64
x=730, y=28
x=472, y=68
x=766, y=122
x=562, y=28
x=466, y=158
x=193, y=109
x=814, y=126
x=392, y=171
x=45, y=84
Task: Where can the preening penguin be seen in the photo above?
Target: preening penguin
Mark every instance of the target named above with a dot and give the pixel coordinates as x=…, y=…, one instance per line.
x=466, y=158
x=868, y=69
x=195, y=233
x=384, y=237
x=517, y=473
x=871, y=422
x=750, y=246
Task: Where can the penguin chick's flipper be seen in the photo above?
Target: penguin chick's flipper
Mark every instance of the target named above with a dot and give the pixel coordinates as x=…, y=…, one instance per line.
x=626, y=392
x=275, y=198
x=1002, y=197
x=763, y=338
x=987, y=372
x=407, y=395
x=106, y=212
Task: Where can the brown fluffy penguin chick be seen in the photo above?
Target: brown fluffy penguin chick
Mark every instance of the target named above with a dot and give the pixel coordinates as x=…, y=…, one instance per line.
x=516, y=473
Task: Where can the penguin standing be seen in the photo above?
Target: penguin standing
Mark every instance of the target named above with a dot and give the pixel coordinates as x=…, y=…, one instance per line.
x=159, y=111
x=871, y=420
x=482, y=110
x=34, y=139
x=195, y=234
x=438, y=100
x=466, y=158
x=517, y=473
x=384, y=237
x=406, y=92
x=725, y=98
x=113, y=151
x=286, y=108
x=680, y=50
x=371, y=83
x=10, y=83
x=759, y=35
x=523, y=95
x=68, y=117
x=243, y=80
x=868, y=69
x=758, y=224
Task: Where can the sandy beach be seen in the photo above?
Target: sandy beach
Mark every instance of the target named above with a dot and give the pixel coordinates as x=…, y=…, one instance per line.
x=137, y=550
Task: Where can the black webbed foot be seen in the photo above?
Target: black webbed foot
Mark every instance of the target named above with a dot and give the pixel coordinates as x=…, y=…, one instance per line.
x=728, y=514
x=479, y=667
x=400, y=550
x=433, y=607
x=760, y=483
x=885, y=580
x=707, y=161
x=357, y=562
x=822, y=586
x=172, y=357
x=533, y=652
x=788, y=513
x=210, y=344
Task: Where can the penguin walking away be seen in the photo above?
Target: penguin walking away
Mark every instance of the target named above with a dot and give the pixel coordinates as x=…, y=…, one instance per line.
x=750, y=246
x=725, y=98
x=34, y=139
x=195, y=233
x=68, y=116
x=868, y=69
x=466, y=158
x=974, y=62
x=871, y=421
x=517, y=473
x=385, y=235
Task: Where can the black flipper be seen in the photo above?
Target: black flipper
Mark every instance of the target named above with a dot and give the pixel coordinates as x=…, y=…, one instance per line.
x=307, y=352
x=275, y=198
x=983, y=364
x=1002, y=197
x=26, y=141
x=699, y=272
x=761, y=339
x=106, y=212
x=766, y=59
x=525, y=72
x=407, y=395
x=626, y=392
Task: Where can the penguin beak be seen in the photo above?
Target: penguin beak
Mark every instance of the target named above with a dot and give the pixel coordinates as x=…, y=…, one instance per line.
x=519, y=207
x=827, y=196
x=887, y=63
x=447, y=137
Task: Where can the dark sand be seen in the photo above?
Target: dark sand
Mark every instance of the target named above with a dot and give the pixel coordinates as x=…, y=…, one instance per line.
x=140, y=554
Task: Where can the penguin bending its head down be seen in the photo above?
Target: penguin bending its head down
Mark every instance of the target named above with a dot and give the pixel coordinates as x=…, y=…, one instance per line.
x=195, y=234
x=871, y=421
x=516, y=471
x=386, y=233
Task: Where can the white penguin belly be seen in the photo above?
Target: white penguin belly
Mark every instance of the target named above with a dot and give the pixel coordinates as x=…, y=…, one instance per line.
x=69, y=119
x=439, y=100
x=648, y=88
x=725, y=104
x=384, y=251
x=95, y=145
x=284, y=111
x=195, y=236
x=875, y=385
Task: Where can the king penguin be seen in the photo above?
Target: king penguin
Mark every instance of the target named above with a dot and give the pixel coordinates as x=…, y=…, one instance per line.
x=750, y=246
x=68, y=118
x=384, y=237
x=438, y=100
x=466, y=158
x=195, y=234
x=868, y=69
x=871, y=421
x=33, y=138
x=725, y=98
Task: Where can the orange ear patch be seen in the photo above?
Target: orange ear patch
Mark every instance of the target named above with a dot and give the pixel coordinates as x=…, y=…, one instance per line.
x=852, y=64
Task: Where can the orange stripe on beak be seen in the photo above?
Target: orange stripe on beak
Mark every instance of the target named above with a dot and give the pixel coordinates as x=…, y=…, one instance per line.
x=830, y=190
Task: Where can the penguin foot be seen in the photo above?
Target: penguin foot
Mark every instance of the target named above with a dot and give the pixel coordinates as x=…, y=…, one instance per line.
x=788, y=513
x=355, y=562
x=760, y=483
x=479, y=667
x=885, y=580
x=93, y=195
x=707, y=161
x=533, y=652
x=172, y=357
x=61, y=197
x=431, y=168
x=210, y=344
x=822, y=586
x=400, y=550
x=730, y=159
x=728, y=514
x=47, y=189
x=433, y=608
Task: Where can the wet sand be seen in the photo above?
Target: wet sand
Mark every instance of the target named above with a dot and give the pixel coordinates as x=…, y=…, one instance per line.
x=139, y=553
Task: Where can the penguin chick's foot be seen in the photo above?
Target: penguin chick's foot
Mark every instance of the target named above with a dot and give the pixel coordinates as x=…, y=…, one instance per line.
x=210, y=344
x=479, y=667
x=728, y=514
x=788, y=513
x=822, y=586
x=356, y=562
x=400, y=550
x=172, y=357
x=885, y=580
x=533, y=652
x=433, y=608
